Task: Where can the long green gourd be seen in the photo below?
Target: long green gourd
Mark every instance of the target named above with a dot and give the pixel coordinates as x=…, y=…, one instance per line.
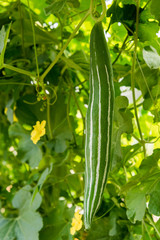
x=98, y=123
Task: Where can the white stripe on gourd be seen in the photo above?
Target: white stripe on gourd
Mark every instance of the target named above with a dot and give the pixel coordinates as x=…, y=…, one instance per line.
x=97, y=132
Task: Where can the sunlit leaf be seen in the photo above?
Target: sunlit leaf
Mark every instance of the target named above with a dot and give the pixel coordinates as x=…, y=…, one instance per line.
x=28, y=223
x=151, y=57
x=136, y=204
x=154, y=204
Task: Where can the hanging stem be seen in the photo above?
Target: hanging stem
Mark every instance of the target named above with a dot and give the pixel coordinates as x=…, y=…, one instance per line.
x=98, y=19
x=15, y=69
x=144, y=227
x=121, y=50
x=64, y=47
x=22, y=27
x=68, y=119
x=49, y=118
x=133, y=79
x=34, y=39
x=79, y=108
x=35, y=49
x=154, y=226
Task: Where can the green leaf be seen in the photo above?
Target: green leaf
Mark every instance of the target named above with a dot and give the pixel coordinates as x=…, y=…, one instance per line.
x=21, y=197
x=43, y=177
x=151, y=162
x=147, y=31
x=155, y=9
x=7, y=227
x=15, y=130
x=123, y=124
x=116, y=148
x=126, y=15
x=78, y=61
x=154, y=203
x=30, y=113
x=4, y=34
x=22, y=200
x=122, y=115
x=74, y=3
x=145, y=78
x=113, y=224
x=40, y=34
x=136, y=204
x=99, y=230
x=41, y=181
x=30, y=151
x=130, y=151
x=151, y=57
x=56, y=7
x=58, y=223
x=28, y=223
x=147, y=103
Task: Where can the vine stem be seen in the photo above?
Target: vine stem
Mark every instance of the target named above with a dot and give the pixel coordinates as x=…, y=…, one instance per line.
x=79, y=108
x=68, y=119
x=15, y=69
x=35, y=51
x=64, y=47
x=34, y=39
x=146, y=4
x=98, y=19
x=144, y=227
x=152, y=223
x=106, y=212
x=22, y=27
x=49, y=118
x=133, y=79
x=121, y=50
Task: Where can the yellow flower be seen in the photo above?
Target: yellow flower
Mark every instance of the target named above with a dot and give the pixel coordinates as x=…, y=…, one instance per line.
x=38, y=131
x=76, y=223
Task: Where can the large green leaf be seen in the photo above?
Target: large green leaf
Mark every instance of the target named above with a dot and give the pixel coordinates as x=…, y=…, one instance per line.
x=136, y=204
x=28, y=222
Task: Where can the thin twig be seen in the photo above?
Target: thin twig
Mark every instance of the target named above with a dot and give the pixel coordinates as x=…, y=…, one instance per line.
x=64, y=47
x=121, y=50
x=133, y=79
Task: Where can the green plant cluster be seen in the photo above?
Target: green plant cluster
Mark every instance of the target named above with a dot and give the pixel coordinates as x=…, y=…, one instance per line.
x=44, y=75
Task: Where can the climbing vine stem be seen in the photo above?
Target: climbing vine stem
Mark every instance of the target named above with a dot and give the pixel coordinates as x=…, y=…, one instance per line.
x=35, y=48
x=133, y=79
x=64, y=47
x=92, y=11
x=15, y=69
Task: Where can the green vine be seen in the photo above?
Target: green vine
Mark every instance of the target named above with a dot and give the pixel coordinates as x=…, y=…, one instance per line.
x=93, y=11
x=133, y=79
x=64, y=47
